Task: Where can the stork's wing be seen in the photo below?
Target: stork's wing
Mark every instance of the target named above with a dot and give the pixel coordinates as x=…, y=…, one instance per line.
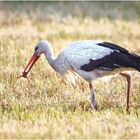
x=113, y=47
x=90, y=55
x=108, y=63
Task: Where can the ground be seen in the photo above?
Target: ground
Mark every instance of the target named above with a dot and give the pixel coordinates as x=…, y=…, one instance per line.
x=43, y=107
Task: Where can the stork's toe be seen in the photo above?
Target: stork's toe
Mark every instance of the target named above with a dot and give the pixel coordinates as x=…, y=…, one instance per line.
x=94, y=106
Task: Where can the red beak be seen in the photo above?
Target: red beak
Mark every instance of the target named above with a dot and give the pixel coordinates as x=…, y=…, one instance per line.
x=30, y=64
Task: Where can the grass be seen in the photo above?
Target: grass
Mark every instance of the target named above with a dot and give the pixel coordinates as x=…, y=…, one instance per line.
x=44, y=108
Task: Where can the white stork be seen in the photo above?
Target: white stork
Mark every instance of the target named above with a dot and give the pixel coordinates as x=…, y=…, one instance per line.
x=90, y=59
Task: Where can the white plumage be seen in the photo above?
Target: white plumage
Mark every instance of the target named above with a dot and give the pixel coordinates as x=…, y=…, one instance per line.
x=79, y=53
x=90, y=59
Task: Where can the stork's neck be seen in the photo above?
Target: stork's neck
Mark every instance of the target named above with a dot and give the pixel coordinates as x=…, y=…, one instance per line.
x=49, y=55
x=55, y=63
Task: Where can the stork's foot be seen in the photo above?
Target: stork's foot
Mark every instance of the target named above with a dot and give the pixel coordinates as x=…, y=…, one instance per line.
x=94, y=106
x=128, y=110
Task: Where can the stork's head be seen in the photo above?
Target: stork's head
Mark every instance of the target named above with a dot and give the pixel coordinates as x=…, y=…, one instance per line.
x=40, y=47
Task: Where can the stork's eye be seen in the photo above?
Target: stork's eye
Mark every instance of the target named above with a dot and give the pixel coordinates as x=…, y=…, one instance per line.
x=36, y=48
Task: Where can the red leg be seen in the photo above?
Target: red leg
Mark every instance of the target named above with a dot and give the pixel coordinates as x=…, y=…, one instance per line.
x=128, y=78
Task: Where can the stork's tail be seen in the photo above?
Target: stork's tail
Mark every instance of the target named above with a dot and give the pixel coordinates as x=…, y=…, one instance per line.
x=134, y=61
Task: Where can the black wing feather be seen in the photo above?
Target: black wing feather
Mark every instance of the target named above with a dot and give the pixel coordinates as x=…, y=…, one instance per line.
x=113, y=46
x=119, y=58
x=109, y=62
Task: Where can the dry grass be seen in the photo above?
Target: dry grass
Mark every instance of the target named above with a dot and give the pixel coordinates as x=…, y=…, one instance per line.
x=44, y=108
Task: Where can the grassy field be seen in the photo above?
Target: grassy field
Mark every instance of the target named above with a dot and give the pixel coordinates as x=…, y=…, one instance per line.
x=44, y=108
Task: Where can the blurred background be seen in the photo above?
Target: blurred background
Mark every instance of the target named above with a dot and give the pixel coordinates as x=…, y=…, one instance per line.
x=113, y=21
x=94, y=10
